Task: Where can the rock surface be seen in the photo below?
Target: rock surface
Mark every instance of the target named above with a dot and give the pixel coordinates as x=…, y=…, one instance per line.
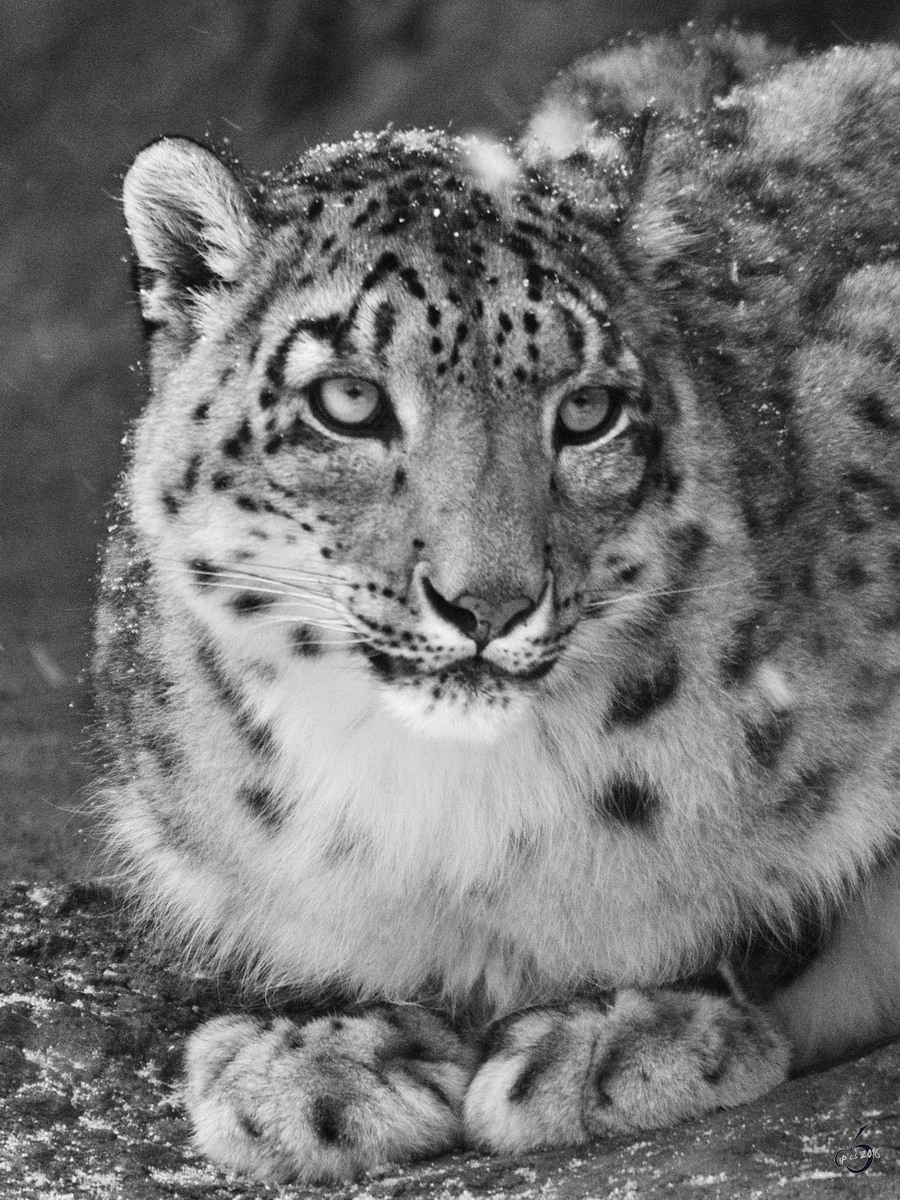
x=91, y=1034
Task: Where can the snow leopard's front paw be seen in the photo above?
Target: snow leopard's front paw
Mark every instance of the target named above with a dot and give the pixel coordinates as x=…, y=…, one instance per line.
x=562, y=1076
x=326, y=1100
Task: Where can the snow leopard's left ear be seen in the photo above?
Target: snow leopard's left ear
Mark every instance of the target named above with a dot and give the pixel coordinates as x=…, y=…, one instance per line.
x=190, y=222
x=564, y=130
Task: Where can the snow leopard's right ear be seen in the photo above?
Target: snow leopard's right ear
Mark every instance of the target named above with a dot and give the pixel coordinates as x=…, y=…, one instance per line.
x=190, y=222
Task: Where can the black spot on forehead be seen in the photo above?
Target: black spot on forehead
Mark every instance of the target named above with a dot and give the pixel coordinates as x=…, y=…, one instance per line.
x=521, y=246
x=536, y=276
x=383, y=327
x=574, y=333
x=412, y=282
x=387, y=263
x=874, y=409
x=373, y=205
x=866, y=482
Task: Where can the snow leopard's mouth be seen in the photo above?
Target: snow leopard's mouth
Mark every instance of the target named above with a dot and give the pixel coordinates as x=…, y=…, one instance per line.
x=469, y=676
x=471, y=699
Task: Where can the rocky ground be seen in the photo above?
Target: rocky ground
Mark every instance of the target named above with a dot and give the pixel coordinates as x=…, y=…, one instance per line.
x=91, y=1032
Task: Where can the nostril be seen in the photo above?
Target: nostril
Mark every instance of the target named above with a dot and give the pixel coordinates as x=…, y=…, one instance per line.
x=465, y=620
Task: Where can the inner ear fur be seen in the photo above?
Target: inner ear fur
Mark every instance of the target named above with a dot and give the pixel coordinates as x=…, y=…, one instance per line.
x=190, y=222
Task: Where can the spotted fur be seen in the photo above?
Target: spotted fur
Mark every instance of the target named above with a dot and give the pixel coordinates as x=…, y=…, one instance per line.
x=500, y=617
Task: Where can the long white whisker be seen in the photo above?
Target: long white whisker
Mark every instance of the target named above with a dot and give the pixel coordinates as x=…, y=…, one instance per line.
x=303, y=619
x=249, y=572
x=652, y=593
x=287, y=592
x=218, y=575
x=337, y=626
x=336, y=646
x=283, y=593
x=305, y=572
x=271, y=573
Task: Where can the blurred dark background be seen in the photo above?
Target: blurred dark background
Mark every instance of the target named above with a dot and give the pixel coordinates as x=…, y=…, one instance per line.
x=84, y=86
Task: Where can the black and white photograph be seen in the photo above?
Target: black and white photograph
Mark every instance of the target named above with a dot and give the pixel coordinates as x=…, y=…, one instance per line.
x=449, y=600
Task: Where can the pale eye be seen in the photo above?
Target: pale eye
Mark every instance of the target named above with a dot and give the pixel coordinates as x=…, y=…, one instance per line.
x=590, y=414
x=347, y=401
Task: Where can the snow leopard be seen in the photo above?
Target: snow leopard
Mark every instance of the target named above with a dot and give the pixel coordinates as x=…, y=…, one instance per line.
x=498, y=652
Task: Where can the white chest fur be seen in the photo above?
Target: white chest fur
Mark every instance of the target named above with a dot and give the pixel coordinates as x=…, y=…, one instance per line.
x=402, y=859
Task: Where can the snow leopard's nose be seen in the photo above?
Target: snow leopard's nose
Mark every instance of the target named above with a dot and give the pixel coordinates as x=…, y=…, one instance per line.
x=476, y=617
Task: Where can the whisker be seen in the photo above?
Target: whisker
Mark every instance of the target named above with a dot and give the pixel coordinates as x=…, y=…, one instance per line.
x=334, y=626
x=303, y=619
x=217, y=574
x=287, y=592
x=252, y=573
x=336, y=646
x=652, y=593
x=304, y=571
x=284, y=593
x=588, y=654
x=294, y=572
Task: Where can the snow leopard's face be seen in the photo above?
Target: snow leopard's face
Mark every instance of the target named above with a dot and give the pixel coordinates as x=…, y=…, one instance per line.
x=404, y=416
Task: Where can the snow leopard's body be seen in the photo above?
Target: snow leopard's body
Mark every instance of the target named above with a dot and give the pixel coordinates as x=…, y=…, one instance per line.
x=502, y=611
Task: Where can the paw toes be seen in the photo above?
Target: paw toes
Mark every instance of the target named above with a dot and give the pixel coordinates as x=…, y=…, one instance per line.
x=669, y=1056
x=327, y=1100
x=564, y=1076
x=527, y=1092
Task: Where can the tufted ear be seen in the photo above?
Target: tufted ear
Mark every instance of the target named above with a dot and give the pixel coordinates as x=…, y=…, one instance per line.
x=564, y=131
x=190, y=224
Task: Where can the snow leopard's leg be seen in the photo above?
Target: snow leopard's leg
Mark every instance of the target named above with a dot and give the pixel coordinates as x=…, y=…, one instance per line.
x=328, y=1099
x=635, y=1060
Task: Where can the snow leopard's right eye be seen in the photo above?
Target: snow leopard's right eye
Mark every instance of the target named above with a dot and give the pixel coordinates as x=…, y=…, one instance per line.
x=353, y=406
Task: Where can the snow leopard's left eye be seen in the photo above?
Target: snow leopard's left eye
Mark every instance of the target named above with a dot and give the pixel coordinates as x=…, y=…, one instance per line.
x=591, y=414
x=348, y=404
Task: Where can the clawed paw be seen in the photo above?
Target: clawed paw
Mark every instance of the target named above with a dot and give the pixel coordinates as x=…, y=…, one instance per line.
x=563, y=1076
x=332, y=1098
x=329, y=1099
